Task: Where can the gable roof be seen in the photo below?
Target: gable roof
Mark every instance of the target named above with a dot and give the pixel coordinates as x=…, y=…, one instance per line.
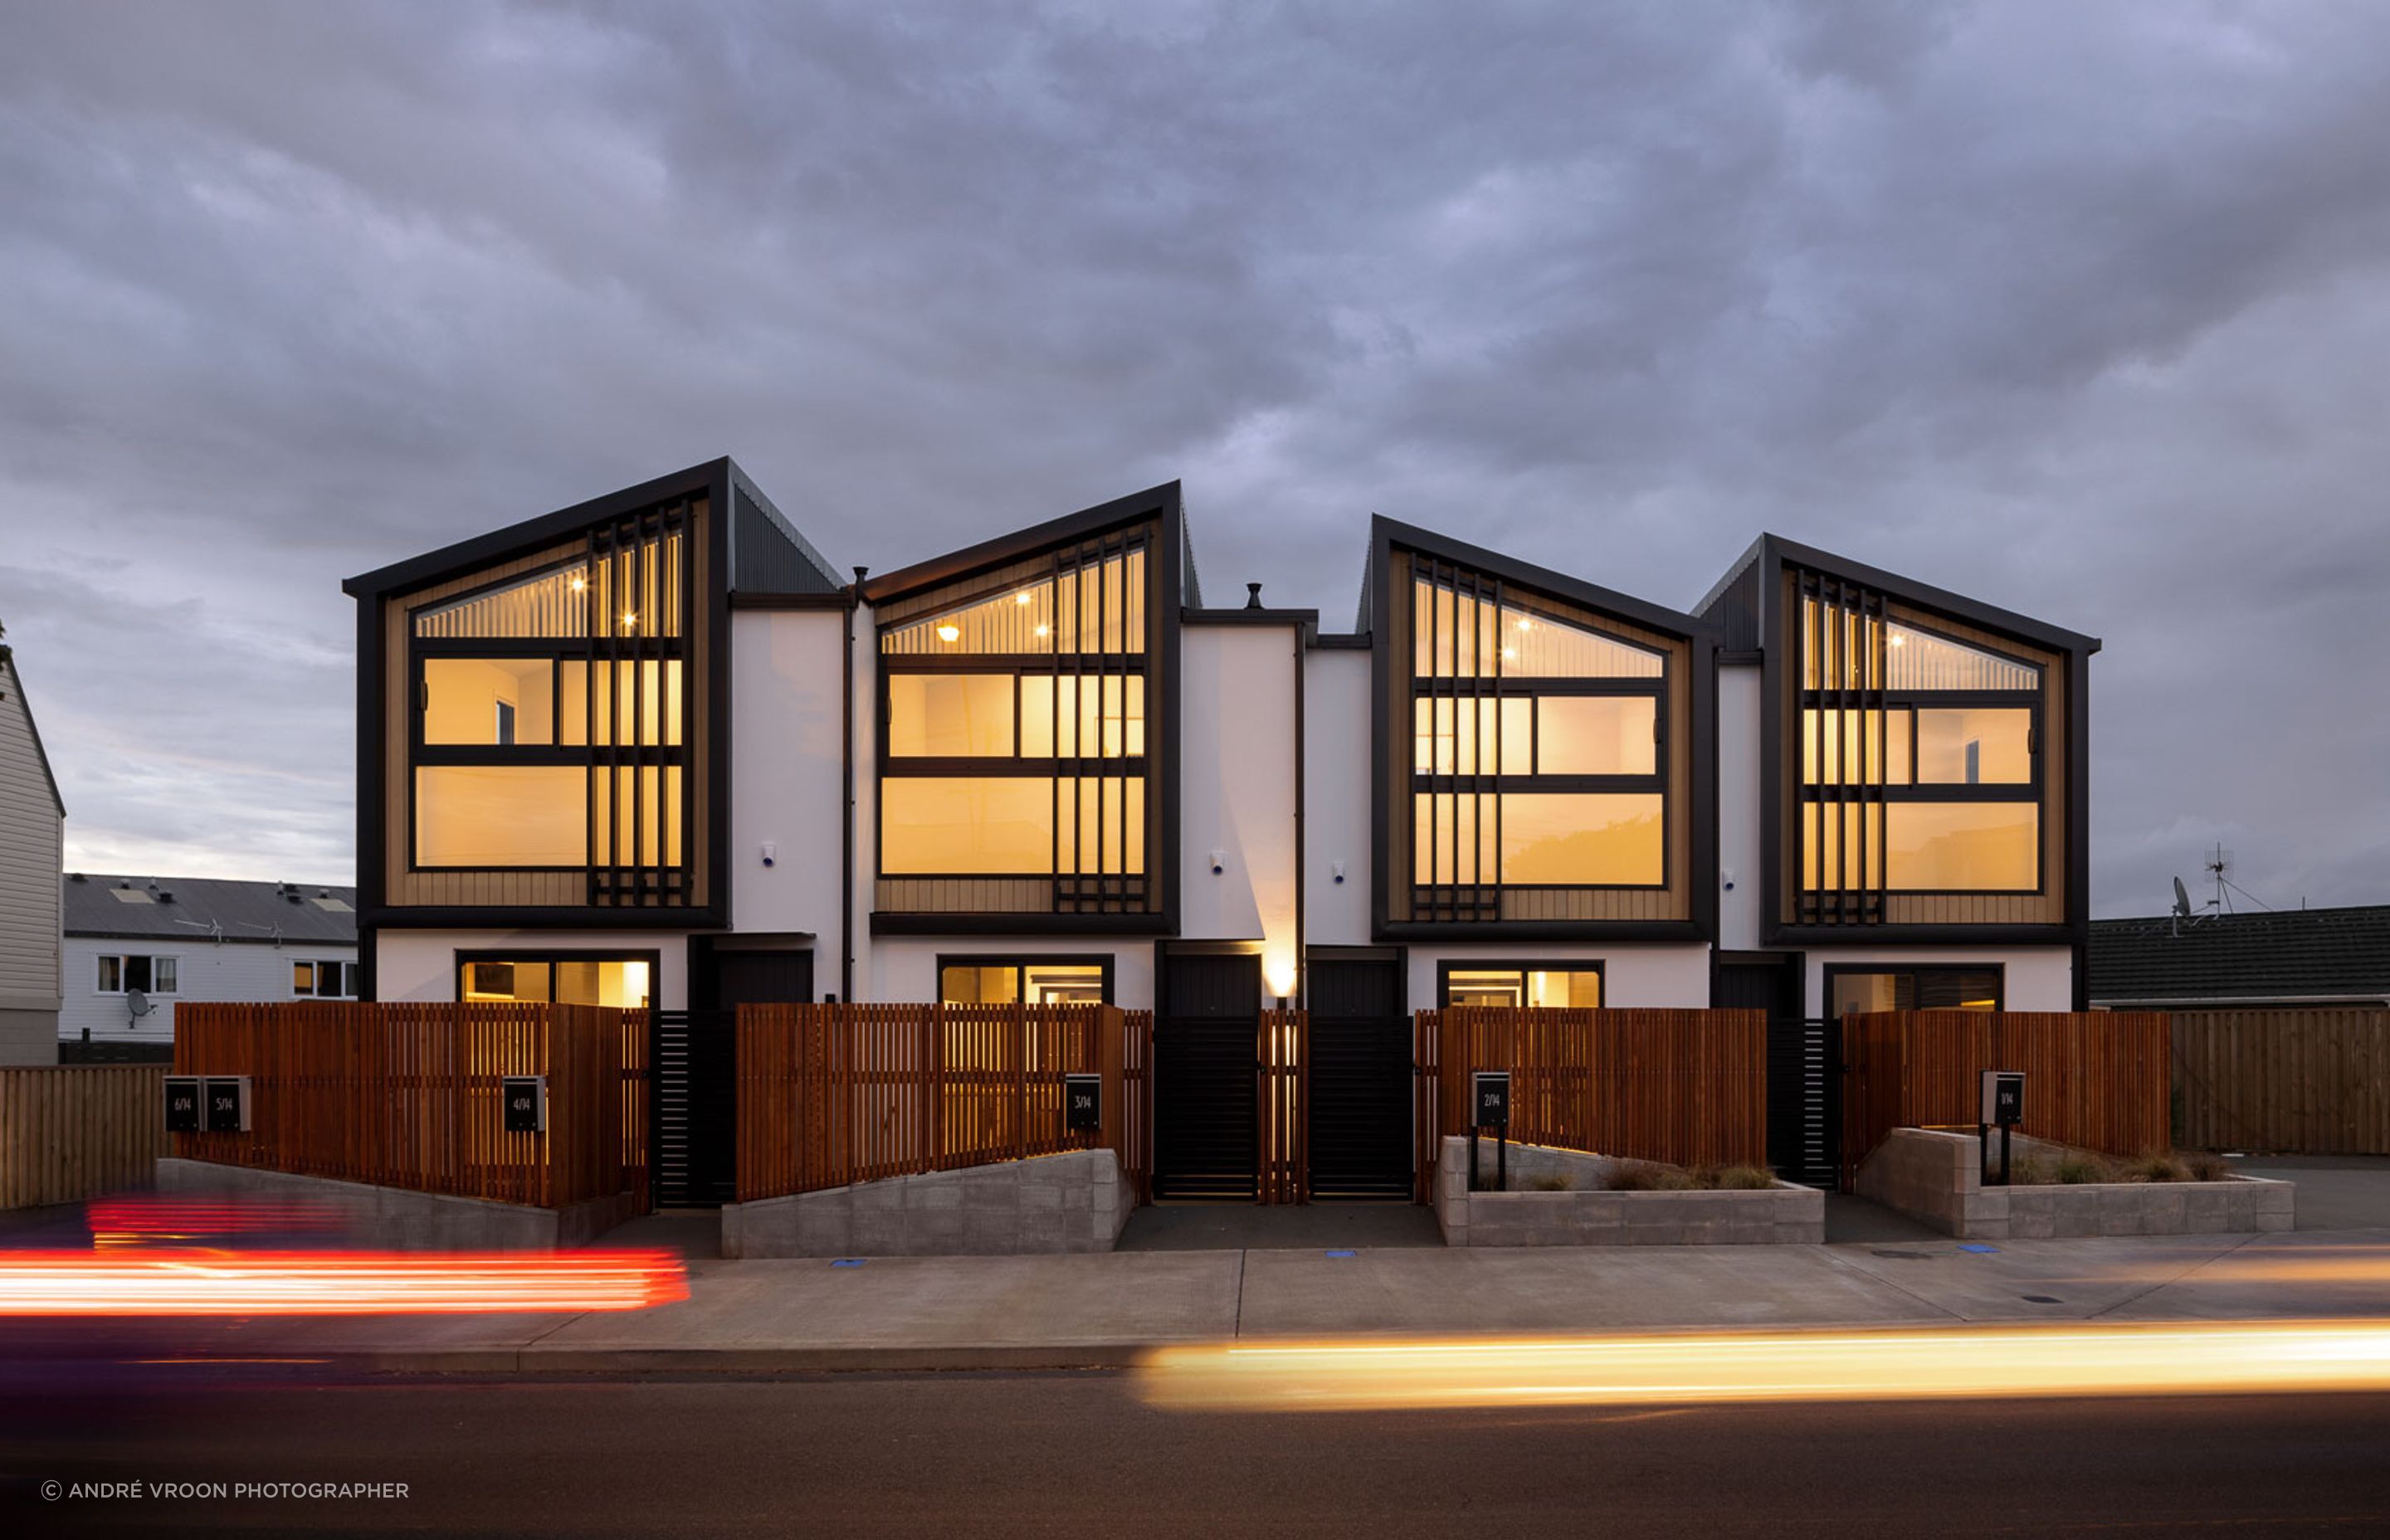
x=1155, y=502
x=12, y=685
x=1387, y=533
x=204, y=909
x=2275, y=955
x=1735, y=592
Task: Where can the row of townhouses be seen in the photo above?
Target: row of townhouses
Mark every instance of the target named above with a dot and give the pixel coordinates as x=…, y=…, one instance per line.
x=654, y=749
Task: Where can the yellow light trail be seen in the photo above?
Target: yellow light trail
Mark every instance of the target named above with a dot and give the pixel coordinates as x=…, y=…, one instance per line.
x=1913, y=1364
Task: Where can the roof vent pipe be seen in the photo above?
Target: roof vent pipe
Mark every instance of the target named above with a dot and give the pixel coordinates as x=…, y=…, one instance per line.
x=1252, y=596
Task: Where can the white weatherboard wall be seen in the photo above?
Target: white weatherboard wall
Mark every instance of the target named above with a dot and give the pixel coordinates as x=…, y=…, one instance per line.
x=204, y=970
x=904, y=968
x=787, y=733
x=1336, y=796
x=1642, y=974
x=33, y=850
x=2038, y=977
x=421, y=964
x=1237, y=790
x=1741, y=783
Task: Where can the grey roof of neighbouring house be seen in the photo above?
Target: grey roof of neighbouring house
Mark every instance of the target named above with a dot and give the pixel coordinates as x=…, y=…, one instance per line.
x=206, y=908
x=2275, y=954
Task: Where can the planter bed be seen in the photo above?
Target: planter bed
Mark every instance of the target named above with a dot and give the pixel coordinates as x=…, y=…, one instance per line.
x=1935, y=1176
x=1586, y=1214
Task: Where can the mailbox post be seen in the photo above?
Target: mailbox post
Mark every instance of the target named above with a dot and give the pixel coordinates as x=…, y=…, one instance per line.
x=1489, y=1107
x=1083, y=1102
x=2003, y=1107
x=525, y=1099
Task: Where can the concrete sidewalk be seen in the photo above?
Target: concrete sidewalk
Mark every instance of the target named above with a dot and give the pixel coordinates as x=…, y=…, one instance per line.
x=1100, y=1309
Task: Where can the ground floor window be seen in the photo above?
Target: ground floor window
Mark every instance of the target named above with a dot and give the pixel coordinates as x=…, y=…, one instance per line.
x=1849, y=990
x=1576, y=985
x=1024, y=980
x=150, y=975
x=564, y=979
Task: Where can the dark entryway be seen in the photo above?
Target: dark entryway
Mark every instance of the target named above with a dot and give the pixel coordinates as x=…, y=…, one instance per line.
x=1360, y=1089
x=694, y=1065
x=1803, y=1066
x=1207, y=1016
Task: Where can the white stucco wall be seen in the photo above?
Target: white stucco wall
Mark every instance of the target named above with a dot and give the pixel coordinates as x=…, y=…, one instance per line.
x=1640, y=974
x=421, y=964
x=904, y=968
x=2037, y=978
x=203, y=970
x=1336, y=798
x=787, y=733
x=1237, y=784
x=1739, y=793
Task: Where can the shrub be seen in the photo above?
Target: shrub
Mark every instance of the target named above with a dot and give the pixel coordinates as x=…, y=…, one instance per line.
x=1647, y=1176
x=2075, y=1170
x=2157, y=1165
x=2208, y=1166
x=1551, y=1181
x=1739, y=1178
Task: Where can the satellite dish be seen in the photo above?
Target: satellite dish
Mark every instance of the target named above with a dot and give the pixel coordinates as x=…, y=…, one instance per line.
x=2181, y=901
x=137, y=1002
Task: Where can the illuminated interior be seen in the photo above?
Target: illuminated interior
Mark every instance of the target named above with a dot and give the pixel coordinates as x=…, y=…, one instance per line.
x=1577, y=988
x=1849, y=990
x=594, y=980
x=1020, y=982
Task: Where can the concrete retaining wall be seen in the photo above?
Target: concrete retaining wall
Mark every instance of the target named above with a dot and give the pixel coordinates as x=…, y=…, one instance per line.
x=1936, y=1177
x=402, y=1219
x=1587, y=1216
x=1075, y=1202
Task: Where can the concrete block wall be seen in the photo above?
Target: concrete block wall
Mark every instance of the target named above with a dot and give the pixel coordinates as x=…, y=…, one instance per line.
x=1075, y=1202
x=1585, y=1214
x=1936, y=1177
x=402, y=1219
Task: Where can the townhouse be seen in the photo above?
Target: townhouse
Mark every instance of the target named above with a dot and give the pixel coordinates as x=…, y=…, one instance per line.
x=655, y=750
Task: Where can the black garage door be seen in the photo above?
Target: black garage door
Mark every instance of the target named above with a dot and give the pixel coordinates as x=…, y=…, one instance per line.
x=1361, y=1087
x=1204, y=1076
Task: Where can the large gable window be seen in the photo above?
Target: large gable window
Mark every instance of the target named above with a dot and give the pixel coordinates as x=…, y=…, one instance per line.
x=1013, y=729
x=1538, y=749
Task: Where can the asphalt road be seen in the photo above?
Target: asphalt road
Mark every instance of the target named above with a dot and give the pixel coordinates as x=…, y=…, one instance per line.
x=1055, y=1454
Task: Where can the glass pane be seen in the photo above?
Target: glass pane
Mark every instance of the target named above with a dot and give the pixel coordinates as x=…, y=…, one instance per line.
x=950, y=715
x=991, y=825
x=1063, y=984
x=645, y=811
x=1100, y=817
x=1920, y=661
x=465, y=700
x=112, y=975
x=1831, y=863
x=1965, y=847
x=161, y=975
x=1974, y=748
x=1457, y=635
x=302, y=978
x=629, y=594
x=1840, y=648
x=1869, y=991
x=137, y=973
x=1437, y=751
x=1958, y=989
x=1562, y=838
x=489, y=815
x=1479, y=986
x=1596, y=735
x=1865, y=743
x=1044, y=615
x=1445, y=846
x=1576, y=989
x=645, y=697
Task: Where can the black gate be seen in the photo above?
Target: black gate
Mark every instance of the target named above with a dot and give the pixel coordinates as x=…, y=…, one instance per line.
x=1360, y=1091
x=1205, y=1073
x=693, y=1104
x=1804, y=1099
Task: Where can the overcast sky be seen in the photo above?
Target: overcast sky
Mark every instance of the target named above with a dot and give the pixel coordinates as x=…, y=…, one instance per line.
x=2084, y=310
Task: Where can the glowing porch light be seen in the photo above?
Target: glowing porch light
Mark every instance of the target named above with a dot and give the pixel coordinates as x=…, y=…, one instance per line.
x=1277, y=972
x=949, y=632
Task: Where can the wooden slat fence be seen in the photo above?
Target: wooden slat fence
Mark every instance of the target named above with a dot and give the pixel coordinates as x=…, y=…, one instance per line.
x=830, y=1095
x=68, y=1132
x=1685, y=1086
x=1282, y=1052
x=408, y=1095
x=2301, y=1081
x=2097, y=1079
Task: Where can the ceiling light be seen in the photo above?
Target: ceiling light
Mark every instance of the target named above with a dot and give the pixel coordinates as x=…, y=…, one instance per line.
x=949, y=632
x=630, y=617
x=1021, y=597
x=1900, y=641
x=1041, y=630
x=1526, y=626
x=579, y=583
x=1511, y=652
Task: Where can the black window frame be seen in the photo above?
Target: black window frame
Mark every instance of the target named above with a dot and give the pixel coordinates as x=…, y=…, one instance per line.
x=462, y=957
x=1018, y=961
x=1999, y=971
x=1446, y=967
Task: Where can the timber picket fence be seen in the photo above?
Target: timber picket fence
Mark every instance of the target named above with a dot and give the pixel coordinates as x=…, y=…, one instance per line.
x=1281, y=1121
x=1685, y=1087
x=72, y=1132
x=830, y=1095
x=408, y=1095
x=2300, y=1081
x=2097, y=1079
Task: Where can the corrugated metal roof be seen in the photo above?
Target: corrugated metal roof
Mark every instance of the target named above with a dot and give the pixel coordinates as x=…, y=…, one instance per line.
x=2275, y=955
x=205, y=909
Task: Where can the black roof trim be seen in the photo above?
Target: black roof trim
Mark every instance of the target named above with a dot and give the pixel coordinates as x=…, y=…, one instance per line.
x=1385, y=532
x=1156, y=501
x=1341, y=641
x=1249, y=615
x=1991, y=617
x=840, y=598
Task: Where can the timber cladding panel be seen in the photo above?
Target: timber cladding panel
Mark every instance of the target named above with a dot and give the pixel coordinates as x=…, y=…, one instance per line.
x=1689, y=1087
x=832, y=1094
x=2302, y=1082
x=2095, y=1079
x=77, y=1131
x=409, y=1096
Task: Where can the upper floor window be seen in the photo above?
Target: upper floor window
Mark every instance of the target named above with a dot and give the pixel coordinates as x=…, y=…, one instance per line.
x=151, y=975
x=1920, y=759
x=1538, y=750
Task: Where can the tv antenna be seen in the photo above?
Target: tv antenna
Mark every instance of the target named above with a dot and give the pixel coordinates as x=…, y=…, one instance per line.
x=2220, y=862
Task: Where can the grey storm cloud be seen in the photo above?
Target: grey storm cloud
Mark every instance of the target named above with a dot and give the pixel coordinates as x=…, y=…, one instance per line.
x=2079, y=309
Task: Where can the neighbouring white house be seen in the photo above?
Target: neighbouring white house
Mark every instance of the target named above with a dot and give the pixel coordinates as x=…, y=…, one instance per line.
x=137, y=947
x=33, y=846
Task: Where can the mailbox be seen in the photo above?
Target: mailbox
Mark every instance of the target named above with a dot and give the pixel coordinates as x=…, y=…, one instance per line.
x=224, y=1104
x=525, y=1098
x=1491, y=1102
x=181, y=1104
x=2003, y=1097
x=1083, y=1102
